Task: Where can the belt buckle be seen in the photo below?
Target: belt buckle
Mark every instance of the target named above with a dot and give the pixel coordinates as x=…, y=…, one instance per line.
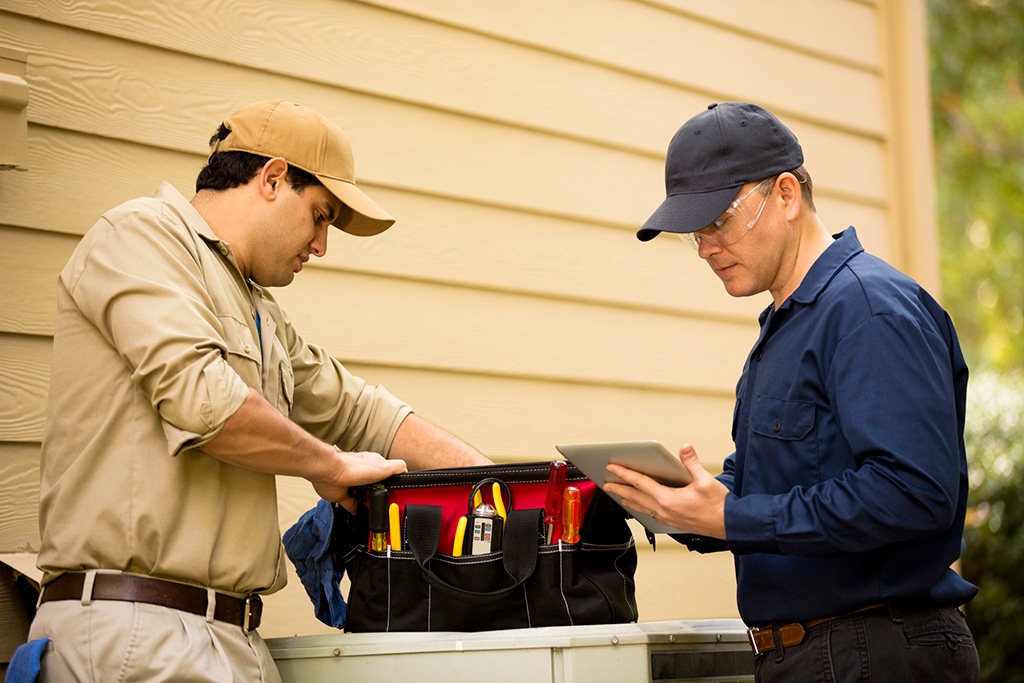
x=751, y=632
x=253, y=613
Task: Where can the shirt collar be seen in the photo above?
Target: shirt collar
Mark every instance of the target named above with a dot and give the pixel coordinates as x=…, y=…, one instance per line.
x=195, y=221
x=832, y=260
x=168, y=193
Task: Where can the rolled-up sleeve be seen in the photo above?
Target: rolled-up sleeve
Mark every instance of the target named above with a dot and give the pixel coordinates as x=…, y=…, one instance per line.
x=144, y=288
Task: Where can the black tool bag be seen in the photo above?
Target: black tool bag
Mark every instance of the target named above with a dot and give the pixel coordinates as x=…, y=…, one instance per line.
x=426, y=580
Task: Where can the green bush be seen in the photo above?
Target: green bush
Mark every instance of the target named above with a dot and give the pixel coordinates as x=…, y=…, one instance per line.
x=994, y=559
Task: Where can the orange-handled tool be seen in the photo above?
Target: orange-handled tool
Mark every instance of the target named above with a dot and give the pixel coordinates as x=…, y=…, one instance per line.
x=572, y=512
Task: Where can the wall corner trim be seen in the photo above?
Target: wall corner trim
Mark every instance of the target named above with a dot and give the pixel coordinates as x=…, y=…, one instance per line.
x=14, y=92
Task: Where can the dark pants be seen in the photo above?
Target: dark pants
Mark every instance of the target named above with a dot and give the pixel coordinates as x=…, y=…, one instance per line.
x=898, y=645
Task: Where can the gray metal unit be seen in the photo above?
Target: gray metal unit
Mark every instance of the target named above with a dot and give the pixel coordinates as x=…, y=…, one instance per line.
x=699, y=650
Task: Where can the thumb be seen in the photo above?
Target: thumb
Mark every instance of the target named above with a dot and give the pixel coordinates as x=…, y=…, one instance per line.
x=688, y=454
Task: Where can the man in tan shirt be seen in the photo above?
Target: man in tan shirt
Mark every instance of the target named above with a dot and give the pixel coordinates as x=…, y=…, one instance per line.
x=180, y=389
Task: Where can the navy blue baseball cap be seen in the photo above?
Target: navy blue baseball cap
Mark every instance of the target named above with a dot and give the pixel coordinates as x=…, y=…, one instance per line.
x=711, y=157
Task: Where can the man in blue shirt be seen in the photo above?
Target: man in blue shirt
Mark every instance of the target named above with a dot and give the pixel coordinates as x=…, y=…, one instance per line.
x=844, y=501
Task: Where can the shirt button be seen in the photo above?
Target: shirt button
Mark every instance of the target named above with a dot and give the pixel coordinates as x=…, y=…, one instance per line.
x=757, y=356
x=777, y=427
x=246, y=349
x=746, y=423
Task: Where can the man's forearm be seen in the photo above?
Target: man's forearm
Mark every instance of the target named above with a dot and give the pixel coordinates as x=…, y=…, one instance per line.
x=258, y=437
x=424, y=445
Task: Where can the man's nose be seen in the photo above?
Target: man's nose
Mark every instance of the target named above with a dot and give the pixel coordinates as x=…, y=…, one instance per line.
x=318, y=247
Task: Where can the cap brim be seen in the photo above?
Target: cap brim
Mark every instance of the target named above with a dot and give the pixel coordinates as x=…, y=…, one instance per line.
x=366, y=217
x=682, y=213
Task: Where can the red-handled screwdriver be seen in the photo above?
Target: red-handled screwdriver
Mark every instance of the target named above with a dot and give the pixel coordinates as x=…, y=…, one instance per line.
x=553, y=500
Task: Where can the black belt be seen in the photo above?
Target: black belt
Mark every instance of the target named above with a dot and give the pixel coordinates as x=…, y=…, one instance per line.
x=244, y=612
x=762, y=639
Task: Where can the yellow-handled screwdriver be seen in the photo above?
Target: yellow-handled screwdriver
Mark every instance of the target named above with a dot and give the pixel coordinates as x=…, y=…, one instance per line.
x=395, y=518
x=460, y=537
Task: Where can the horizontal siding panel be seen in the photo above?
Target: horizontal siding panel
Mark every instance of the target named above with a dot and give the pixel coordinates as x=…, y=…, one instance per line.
x=397, y=144
x=90, y=175
x=24, y=383
x=841, y=164
x=376, y=320
x=507, y=66
x=19, y=472
x=64, y=164
x=840, y=29
x=871, y=223
x=402, y=145
x=674, y=583
x=30, y=261
x=690, y=54
x=435, y=238
x=517, y=420
x=438, y=153
x=424, y=63
x=445, y=241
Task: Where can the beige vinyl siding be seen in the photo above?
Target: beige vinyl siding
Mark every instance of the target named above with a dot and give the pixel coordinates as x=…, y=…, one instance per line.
x=520, y=145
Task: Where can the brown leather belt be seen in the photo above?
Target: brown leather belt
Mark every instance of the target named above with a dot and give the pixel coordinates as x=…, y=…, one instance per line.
x=762, y=639
x=244, y=612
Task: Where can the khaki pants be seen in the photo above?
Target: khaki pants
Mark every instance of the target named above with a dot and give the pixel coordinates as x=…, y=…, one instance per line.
x=107, y=641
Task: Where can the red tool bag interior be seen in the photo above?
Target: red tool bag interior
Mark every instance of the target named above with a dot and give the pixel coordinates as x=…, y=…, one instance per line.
x=539, y=545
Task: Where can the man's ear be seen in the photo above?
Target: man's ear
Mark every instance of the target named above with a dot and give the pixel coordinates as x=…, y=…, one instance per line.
x=792, y=199
x=271, y=176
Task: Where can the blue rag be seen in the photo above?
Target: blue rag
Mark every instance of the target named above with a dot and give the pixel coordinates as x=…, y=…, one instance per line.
x=308, y=545
x=26, y=662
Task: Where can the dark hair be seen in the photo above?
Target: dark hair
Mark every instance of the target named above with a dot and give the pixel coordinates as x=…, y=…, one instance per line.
x=225, y=170
x=806, y=186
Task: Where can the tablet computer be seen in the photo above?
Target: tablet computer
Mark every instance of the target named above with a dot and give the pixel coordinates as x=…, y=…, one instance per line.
x=649, y=457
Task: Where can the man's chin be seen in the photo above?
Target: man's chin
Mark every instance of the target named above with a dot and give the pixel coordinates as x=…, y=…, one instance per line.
x=283, y=280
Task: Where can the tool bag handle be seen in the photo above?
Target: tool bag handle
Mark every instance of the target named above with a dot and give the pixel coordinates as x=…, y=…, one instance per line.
x=519, y=550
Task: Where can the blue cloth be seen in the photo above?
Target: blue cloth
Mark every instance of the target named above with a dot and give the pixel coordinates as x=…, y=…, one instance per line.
x=308, y=545
x=26, y=662
x=848, y=485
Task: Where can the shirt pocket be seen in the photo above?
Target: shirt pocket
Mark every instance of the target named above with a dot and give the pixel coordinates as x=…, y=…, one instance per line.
x=778, y=418
x=286, y=383
x=783, y=448
x=243, y=350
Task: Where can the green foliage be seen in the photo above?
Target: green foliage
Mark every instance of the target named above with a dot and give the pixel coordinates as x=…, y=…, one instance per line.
x=977, y=79
x=995, y=523
x=976, y=49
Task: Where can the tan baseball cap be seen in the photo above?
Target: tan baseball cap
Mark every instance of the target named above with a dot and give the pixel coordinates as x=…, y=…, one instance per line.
x=277, y=128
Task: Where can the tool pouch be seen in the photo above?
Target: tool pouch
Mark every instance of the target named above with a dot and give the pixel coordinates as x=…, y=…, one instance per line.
x=425, y=586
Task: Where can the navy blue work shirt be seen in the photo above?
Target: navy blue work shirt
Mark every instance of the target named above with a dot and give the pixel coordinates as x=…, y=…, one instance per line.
x=848, y=485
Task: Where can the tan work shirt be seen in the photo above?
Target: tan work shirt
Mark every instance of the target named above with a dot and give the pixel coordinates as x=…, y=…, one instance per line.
x=155, y=345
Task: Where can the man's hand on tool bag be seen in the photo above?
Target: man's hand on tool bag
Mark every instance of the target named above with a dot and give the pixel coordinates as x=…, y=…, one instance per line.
x=347, y=469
